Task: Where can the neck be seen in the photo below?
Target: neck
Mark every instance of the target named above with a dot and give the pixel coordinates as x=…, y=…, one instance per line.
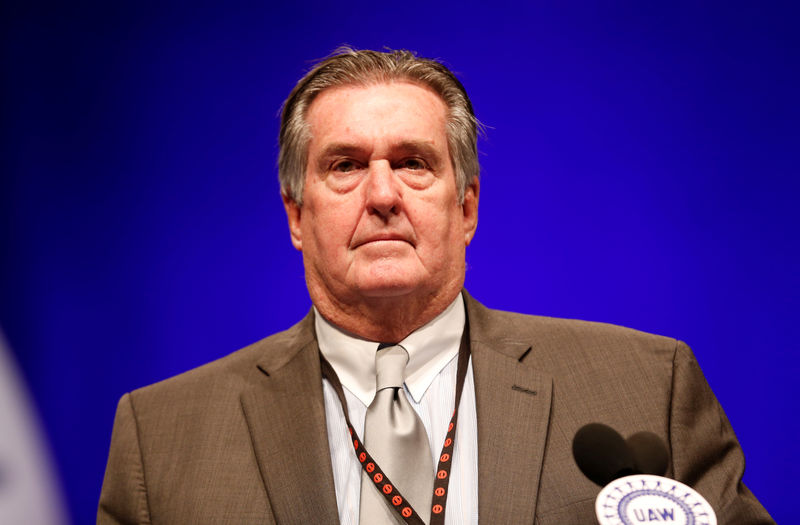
x=385, y=319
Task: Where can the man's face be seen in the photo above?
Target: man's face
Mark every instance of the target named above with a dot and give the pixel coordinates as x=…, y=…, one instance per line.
x=380, y=215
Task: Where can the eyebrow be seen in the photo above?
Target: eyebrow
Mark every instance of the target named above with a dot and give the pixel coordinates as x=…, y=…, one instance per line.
x=337, y=149
x=420, y=147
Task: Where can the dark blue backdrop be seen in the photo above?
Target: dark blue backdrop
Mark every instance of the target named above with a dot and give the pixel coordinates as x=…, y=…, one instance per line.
x=640, y=168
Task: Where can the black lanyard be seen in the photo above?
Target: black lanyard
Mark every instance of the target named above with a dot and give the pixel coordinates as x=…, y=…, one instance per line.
x=393, y=496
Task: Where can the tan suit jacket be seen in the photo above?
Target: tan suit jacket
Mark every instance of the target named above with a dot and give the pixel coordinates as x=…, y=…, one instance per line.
x=243, y=439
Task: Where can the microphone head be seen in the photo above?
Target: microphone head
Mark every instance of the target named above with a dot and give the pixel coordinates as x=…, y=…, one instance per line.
x=650, y=454
x=602, y=454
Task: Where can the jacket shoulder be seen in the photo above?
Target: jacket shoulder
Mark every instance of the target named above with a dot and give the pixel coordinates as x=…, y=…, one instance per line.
x=558, y=343
x=234, y=371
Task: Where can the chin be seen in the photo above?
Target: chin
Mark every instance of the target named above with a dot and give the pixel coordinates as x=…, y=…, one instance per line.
x=389, y=288
x=388, y=281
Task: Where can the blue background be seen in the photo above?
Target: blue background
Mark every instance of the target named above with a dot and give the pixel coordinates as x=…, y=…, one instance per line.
x=640, y=168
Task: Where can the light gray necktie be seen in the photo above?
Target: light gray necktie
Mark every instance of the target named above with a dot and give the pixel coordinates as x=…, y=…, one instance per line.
x=396, y=439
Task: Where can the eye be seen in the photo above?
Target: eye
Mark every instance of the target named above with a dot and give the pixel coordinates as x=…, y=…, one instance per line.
x=344, y=166
x=413, y=163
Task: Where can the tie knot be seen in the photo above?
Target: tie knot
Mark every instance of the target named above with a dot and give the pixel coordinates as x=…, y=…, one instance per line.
x=390, y=366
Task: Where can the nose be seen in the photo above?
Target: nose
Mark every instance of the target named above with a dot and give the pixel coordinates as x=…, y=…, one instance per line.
x=383, y=197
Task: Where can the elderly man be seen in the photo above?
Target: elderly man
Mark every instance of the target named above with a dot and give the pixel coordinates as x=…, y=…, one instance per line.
x=399, y=398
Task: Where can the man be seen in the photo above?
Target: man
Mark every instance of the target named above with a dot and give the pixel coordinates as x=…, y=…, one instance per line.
x=379, y=176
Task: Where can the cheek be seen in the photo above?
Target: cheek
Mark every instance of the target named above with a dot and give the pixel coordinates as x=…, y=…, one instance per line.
x=331, y=227
x=444, y=237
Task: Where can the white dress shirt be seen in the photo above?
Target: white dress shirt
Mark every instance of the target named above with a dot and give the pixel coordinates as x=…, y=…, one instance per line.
x=430, y=385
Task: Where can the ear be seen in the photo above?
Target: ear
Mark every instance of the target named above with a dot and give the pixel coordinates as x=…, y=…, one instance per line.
x=293, y=213
x=470, y=210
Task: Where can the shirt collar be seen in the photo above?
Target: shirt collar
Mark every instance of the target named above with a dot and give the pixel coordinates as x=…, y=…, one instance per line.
x=429, y=348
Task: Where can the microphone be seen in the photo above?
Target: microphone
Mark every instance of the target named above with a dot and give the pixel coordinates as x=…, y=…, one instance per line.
x=631, y=474
x=602, y=454
x=650, y=455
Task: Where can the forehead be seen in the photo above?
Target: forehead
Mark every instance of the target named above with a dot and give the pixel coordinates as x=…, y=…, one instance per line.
x=398, y=111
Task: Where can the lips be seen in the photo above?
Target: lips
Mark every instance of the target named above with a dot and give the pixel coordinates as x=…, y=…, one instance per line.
x=383, y=236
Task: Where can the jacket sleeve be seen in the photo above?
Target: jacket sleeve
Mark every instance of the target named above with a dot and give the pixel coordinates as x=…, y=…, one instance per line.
x=123, y=498
x=705, y=452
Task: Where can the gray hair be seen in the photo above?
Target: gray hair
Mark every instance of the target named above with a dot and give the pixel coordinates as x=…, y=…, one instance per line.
x=347, y=67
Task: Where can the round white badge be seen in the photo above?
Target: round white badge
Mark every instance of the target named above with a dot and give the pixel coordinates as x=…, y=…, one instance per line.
x=642, y=498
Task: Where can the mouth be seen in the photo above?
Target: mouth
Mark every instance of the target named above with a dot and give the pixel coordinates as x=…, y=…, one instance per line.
x=381, y=238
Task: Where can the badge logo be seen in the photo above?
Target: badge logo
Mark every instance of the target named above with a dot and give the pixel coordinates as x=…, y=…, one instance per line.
x=642, y=498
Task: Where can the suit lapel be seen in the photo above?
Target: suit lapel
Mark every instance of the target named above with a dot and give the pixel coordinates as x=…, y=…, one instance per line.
x=513, y=409
x=285, y=414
